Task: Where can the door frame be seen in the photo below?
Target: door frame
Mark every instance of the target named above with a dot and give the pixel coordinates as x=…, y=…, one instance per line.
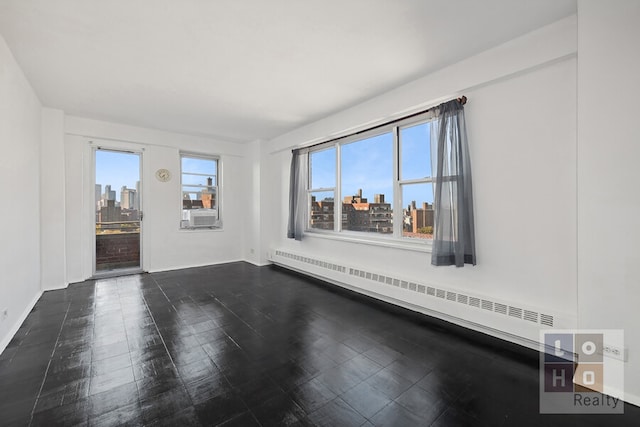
x=125, y=149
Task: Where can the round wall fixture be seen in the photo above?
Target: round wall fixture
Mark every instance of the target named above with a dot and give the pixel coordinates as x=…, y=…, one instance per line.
x=163, y=175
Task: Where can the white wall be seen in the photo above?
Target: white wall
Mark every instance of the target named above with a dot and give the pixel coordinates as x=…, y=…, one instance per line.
x=521, y=117
x=253, y=211
x=20, y=115
x=52, y=196
x=609, y=175
x=165, y=246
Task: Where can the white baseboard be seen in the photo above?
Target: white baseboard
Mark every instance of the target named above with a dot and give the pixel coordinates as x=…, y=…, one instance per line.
x=56, y=288
x=7, y=339
x=633, y=399
x=182, y=267
x=257, y=264
x=174, y=268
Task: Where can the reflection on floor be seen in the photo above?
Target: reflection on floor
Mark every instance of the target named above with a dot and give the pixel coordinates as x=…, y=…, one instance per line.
x=250, y=346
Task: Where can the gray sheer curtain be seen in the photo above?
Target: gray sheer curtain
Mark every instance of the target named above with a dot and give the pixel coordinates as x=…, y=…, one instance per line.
x=453, y=239
x=297, y=194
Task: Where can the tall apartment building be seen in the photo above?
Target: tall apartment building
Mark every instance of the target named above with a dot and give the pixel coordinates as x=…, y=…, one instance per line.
x=357, y=214
x=128, y=197
x=421, y=218
x=321, y=215
x=98, y=196
x=208, y=195
x=110, y=212
x=136, y=205
x=360, y=215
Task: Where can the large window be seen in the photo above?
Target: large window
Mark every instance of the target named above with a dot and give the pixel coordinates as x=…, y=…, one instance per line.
x=367, y=184
x=415, y=180
x=322, y=183
x=200, y=180
x=378, y=183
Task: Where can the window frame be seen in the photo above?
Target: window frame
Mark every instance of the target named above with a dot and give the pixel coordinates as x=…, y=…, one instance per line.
x=311, y=191
x=217, y=188
x=399, y=182
x=393, y=239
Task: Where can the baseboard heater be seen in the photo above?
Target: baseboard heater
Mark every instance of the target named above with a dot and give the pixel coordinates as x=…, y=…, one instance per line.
x=511, y=321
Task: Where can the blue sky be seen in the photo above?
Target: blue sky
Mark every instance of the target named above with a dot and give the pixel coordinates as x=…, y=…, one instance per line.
x=368, y=164
x=198, y=166
x=120, y=169
x=117, y=169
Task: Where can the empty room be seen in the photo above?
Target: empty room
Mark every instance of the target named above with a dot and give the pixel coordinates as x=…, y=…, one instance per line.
x=319, y=213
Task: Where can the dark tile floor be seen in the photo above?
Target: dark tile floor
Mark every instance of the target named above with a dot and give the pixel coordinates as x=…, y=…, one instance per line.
x=238, y=345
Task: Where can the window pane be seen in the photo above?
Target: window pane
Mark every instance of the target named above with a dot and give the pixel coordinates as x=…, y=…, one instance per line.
x=415, y=152
x=198, y=165
x=367, y=184
x=321, y=210
x=198, y=198
x=417, y=210
x=198, y=180
x=323, y=168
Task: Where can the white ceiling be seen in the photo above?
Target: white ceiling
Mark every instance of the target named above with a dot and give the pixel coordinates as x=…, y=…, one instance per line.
x=243, y=70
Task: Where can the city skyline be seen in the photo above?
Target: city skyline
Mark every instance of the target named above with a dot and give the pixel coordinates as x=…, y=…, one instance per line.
x=117, y=169
x=368, y=165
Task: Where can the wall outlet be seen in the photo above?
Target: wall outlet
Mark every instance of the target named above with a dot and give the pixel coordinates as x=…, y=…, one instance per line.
x=615, y=352
x=5, y=313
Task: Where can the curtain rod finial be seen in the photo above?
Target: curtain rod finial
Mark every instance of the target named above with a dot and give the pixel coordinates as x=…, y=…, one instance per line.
x=462, y=100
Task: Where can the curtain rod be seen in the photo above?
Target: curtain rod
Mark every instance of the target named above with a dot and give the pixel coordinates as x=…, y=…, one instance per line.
x=462, y=100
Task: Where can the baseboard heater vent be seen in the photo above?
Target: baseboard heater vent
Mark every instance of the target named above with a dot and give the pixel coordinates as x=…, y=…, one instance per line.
x=474, y=302
x=322, y=264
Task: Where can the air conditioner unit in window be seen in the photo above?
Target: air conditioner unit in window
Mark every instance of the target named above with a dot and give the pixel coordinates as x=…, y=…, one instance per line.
x=202, y=217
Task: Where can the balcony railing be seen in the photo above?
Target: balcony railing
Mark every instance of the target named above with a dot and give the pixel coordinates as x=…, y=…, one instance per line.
x=117, y=227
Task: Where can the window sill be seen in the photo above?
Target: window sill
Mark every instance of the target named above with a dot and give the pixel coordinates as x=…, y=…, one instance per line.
x=200, y=229
x=405, y=244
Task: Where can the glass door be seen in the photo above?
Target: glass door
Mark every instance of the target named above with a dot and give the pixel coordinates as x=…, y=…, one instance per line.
x=117, y=212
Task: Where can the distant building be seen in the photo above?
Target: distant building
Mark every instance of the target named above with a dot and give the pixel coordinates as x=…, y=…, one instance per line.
x=136, y=204
x=130, y=215
x=355, y=199
x=321, y=217
x=128, y=198
x=110, y=212
x=98, y=195
x=357, y=214
x=360, y=215
x=370, y=217
x=109, y=194
x=415, y=219
x=208, y=196
x=102, y=198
